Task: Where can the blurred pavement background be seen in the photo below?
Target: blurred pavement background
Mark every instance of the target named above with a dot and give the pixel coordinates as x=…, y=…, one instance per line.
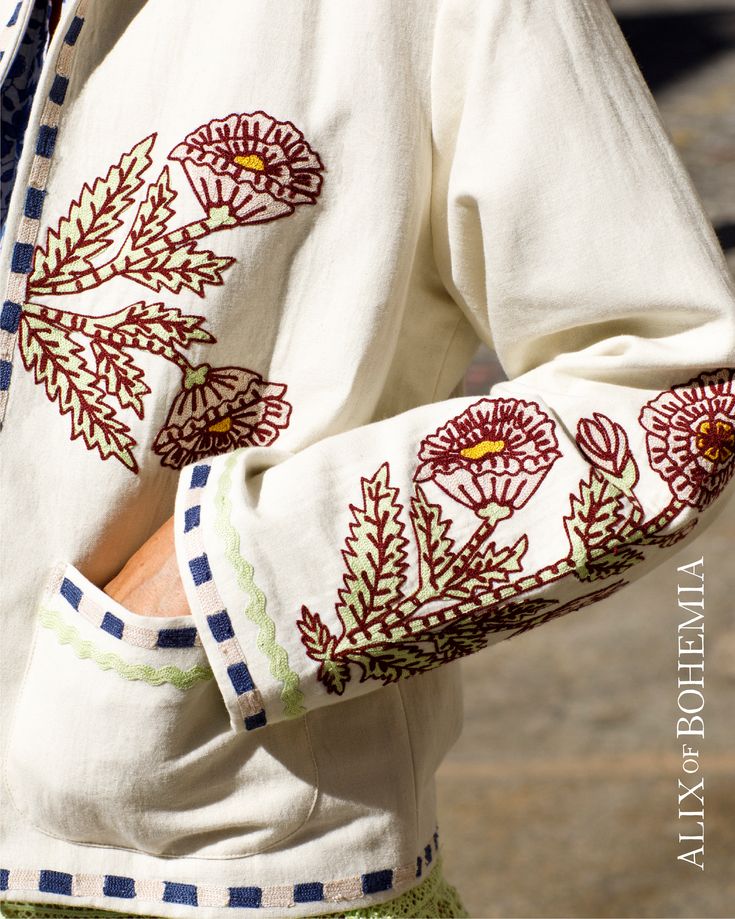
x=560, y=798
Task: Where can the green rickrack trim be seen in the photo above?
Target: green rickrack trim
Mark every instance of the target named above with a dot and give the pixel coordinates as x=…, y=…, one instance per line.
x=291, y=694
x=108, y=660
x=433, y=898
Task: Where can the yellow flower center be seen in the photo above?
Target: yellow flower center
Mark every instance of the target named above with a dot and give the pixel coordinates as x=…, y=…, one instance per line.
x=483, y=448
x=716, y=441
x=251, y=161
x=221, y=427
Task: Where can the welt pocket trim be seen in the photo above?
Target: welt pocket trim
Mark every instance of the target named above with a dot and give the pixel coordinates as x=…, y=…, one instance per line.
x=68, y=584
x=68, y=634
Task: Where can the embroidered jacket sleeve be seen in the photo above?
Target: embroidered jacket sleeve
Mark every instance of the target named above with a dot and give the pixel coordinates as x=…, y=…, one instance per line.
x=567, y=230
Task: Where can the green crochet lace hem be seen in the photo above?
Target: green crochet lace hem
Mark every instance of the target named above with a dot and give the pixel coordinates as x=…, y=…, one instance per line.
x=433, y=898
x=107, y=660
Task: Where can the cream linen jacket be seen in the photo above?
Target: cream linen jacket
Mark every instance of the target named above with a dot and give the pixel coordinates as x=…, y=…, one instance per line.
x=249, y=255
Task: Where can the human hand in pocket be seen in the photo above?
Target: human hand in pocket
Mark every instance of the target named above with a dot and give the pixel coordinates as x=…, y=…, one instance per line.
x=149, y=583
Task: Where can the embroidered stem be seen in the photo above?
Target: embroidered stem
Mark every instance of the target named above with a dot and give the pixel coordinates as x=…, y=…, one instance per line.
x=449, y=614
x=544, y=576
x=657, y=523
x=397, y=625
x=459, y=562
x=96, y=328
x=217, y=219
x=456, y=563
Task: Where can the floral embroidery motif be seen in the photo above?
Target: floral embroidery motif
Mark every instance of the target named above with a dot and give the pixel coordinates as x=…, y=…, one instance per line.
x=691, y=437
x=492, y=458
x=244, y=169
x=257, y=168
x=220, y=409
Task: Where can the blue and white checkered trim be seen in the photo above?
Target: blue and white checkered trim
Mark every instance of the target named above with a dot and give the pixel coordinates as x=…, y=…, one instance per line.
x=247, y=896
x=28, y=228
x=65, y=582
x=249, y=699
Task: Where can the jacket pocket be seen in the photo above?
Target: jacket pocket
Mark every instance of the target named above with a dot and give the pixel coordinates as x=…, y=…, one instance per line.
x=120, y=738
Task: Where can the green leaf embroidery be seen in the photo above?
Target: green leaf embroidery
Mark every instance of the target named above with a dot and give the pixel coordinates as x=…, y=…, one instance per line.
x=121, y=377
x=434, y=543
x=317, y=637
x=184, y=267
x=334, y=674
x=87, y=229
x=597, y=514
x=149, y=327
x=57, y=363
x=489, y=567
x=153, y=214
x=375, y=557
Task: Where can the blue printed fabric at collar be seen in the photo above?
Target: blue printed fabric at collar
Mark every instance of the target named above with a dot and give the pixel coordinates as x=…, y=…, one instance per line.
x=18, y=89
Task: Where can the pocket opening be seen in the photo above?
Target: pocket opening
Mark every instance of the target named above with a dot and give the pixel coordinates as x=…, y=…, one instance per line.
x=120, y=738
x=110, y=616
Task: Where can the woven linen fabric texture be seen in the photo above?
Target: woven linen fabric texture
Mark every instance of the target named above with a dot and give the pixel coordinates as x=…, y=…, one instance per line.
x=248, y=303
x=463, y=523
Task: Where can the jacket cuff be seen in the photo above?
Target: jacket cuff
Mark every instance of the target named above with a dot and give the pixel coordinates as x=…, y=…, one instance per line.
x=200, y=559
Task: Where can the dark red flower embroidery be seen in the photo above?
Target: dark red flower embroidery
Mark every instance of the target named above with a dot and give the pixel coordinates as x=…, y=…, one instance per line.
x=245, y=168
x=218, y=410
x=492, y=458
x=605, y=444
x=493, y=455
x=258, y=168
x=691, y=436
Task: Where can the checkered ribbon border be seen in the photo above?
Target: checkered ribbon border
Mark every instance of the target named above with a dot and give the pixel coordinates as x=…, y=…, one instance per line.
x=249, y=699
x=62, y=583
x=250, y=896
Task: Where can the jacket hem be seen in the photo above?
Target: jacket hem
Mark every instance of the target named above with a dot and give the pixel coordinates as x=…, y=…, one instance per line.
x=46, y=885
